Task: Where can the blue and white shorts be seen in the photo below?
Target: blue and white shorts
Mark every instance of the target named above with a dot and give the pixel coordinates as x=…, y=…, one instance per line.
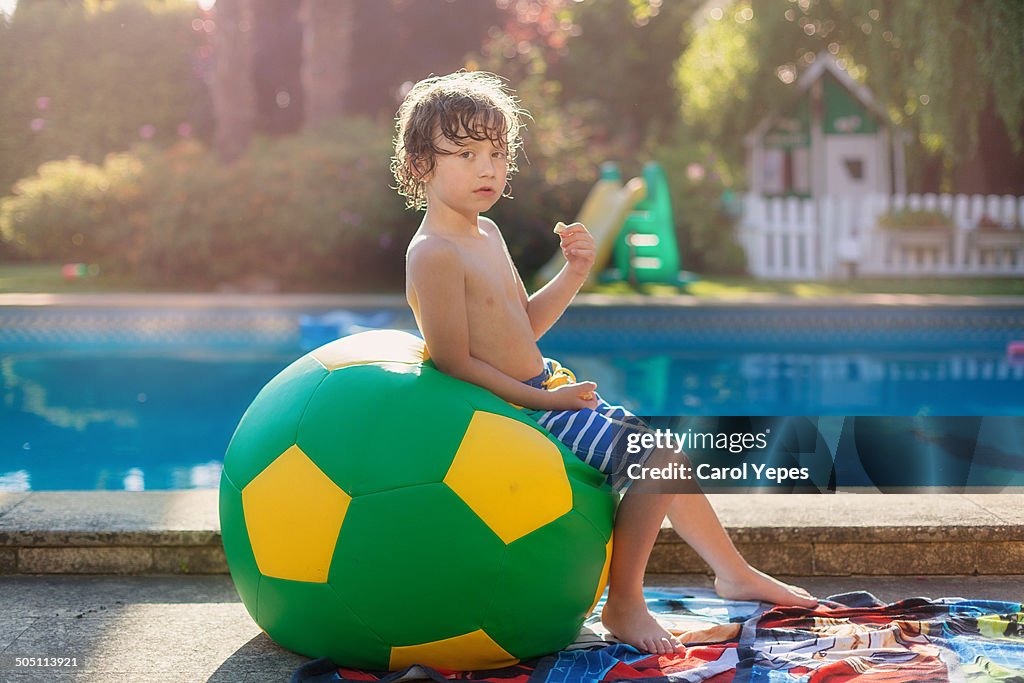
x=598, y=436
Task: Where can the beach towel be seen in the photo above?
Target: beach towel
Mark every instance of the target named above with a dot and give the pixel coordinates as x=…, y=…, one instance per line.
x=848, y=637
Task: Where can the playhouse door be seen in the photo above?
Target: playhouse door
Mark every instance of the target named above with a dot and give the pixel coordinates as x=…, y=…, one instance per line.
x=851, y=164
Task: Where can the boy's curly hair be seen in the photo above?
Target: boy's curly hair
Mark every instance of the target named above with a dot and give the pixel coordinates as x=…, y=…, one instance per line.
x=464, y=105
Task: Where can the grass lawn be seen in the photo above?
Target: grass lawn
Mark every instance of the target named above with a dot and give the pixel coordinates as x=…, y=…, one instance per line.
x=36, y=277
x=724, y=287
x=46, y=277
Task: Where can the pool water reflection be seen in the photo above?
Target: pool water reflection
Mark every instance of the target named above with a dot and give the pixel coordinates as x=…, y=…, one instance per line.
x=159, y=421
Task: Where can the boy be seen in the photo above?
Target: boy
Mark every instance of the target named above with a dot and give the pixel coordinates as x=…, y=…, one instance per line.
x=456, y=144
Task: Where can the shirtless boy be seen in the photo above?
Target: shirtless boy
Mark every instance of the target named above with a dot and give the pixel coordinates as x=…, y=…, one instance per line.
x=456, y=144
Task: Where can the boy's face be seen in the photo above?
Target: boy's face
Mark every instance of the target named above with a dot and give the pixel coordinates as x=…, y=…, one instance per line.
x=469, y=176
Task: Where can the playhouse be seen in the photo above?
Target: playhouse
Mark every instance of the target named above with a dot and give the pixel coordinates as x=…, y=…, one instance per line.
x=833, y=138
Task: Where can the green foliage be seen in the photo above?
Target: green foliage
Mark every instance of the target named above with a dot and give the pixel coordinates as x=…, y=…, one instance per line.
x=915, y=219
x=717, y=78
x=86, y=79
x=306, y=212
x=939, y=62
x=621, y=55
x=724, y=78
x=705, y=221
x=71, y=210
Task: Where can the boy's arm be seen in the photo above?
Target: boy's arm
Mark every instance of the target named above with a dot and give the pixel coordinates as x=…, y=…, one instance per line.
x=548, y=303
x=437, y=275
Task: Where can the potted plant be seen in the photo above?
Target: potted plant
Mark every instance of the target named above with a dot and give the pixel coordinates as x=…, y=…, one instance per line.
x=916, y=221
x=990, y=233
x=918, y=230
x=997, y=242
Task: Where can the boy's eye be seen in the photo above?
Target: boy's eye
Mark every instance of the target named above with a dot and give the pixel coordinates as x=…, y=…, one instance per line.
x=498, y=154
x=465, y=155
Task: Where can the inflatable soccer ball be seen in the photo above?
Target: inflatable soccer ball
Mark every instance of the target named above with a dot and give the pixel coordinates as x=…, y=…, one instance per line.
x=380, y=513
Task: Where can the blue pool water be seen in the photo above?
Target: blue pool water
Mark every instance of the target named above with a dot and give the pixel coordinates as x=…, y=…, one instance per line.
x=148, y=399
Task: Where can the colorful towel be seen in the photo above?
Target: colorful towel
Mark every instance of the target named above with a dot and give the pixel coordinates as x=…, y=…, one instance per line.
x=847, y=637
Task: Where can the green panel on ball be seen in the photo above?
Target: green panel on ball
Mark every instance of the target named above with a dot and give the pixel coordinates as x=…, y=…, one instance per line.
x=592, y=498
x=237, y=549
x=310, y=618
x=552, y=572
x=267, y=429
x=416, y=564
x=372, y=429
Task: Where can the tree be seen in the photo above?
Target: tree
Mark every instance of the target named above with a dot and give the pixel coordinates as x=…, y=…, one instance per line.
x=326, y=58
x=277, y=59
x=233, y=99
x=621, y=54
x=402, y=41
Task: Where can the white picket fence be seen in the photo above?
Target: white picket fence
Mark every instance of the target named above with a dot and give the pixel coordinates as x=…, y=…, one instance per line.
x=838, y=236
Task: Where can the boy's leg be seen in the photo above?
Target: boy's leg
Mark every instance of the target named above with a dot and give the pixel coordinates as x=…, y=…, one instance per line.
x=637, y=523
x=695, y=521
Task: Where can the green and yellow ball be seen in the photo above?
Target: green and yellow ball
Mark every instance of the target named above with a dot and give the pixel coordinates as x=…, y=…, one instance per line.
x=380, y=513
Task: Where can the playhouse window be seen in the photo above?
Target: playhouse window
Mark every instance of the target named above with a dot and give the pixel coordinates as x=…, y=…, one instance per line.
x=786, y=171
x=854, y=167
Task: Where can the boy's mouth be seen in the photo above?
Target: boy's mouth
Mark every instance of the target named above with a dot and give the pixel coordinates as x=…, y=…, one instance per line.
x=484, y=190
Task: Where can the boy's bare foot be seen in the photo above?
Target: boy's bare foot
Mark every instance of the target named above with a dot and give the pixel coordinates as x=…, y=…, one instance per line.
x=756, y=585
x=634, y=625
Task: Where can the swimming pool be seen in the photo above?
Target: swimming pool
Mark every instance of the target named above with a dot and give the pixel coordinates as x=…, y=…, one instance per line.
x=141, y=398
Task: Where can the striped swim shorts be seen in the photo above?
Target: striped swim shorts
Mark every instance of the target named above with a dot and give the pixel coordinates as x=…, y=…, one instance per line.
x=598, y=436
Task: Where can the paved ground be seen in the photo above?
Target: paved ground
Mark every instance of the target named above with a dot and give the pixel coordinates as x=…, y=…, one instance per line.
x=193, y=628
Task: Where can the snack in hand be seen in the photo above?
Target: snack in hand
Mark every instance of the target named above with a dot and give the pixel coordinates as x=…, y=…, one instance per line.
x=560, y=227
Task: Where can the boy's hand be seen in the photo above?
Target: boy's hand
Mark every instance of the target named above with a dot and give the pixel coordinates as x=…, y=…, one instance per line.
x=576, y=396
x=578, y=247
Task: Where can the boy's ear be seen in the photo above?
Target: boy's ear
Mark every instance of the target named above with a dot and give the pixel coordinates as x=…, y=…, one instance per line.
x=418, y=167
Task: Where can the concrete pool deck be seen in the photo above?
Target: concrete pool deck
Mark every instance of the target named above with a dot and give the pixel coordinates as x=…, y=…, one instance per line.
x=185, y=629
x=132, y=584
x=178, y=532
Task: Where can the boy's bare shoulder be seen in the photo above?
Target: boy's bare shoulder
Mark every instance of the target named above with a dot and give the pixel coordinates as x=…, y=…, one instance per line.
x=426, y=253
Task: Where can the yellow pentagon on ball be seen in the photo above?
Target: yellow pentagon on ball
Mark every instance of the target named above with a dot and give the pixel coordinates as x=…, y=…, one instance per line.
x=602, y=582
x=510, y=474
x=468, y=652
x=293, y=513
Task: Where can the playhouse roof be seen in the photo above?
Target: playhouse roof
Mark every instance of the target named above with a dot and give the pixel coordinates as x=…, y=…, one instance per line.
x=825, y=62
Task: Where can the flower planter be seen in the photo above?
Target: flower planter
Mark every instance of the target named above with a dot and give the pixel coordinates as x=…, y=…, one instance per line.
x=1005, y=239
x=918, y=248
